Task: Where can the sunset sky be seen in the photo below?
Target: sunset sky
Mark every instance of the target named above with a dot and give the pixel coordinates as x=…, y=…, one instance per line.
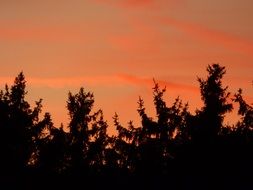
x=115, y=48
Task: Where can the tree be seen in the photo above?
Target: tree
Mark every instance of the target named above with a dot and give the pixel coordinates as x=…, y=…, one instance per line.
x=98, y=143
x=159, y=139
x=52, y=147
x=209, y=120
x=88, y=133
x=245, y=126
x=79, y=107
x=125, y=145
x=19, y=125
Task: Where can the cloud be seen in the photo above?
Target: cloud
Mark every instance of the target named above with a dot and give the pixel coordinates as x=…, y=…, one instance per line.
x=56, y=34
x=137, y=3
x=109, y=80
x=126, y=3
x=63, y=82
x=135, y=43
x=142, y=81
x=140, y=4
x=141, y=37
x=201, y=32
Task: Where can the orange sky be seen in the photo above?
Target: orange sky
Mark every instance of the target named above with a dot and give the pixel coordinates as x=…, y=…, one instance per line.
x=115, y=47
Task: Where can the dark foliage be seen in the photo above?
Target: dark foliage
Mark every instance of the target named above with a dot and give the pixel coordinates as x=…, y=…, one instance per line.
x=177, y=149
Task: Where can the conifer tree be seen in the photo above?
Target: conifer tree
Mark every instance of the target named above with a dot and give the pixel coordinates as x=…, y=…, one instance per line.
x=20, y=125
x=209, y=120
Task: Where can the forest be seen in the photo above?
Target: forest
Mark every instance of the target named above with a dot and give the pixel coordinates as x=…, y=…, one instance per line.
x=176, y=150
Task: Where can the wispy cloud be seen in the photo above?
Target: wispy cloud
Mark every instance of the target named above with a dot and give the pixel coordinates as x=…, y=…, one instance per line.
x=142, y=38
x=145, y=81
x=65, y=82
x=137, y=3
x=125, y=3
x=204, y=33
x=19, y=30
x=140, y=4
x=109, y=80
x=193, y=29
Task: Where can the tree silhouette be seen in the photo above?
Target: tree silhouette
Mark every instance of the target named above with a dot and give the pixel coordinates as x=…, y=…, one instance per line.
x=20, y=128
x=88, y=135
x=245, y=111
x=79, y=107
x=125, y=145
x=158, y=139
x=52, y=146
x=175, y=148
x=98, y=143
x=209, y=119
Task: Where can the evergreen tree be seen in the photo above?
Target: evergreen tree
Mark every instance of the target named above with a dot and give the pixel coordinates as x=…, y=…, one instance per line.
x=19, y=125
x=158, y=139
x=88, y=134
x=126, y=145
x=245, y=111
x=98, y=143
x=79, y=107
x=209, y=120
x=52, y=147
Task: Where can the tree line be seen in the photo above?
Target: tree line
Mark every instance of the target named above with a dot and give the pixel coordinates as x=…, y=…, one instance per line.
x=177, y=148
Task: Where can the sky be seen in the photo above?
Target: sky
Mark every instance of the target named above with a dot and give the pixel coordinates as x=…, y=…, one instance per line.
x=114, y=48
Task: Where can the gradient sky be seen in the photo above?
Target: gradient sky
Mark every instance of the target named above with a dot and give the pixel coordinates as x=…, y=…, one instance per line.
x=115, y=47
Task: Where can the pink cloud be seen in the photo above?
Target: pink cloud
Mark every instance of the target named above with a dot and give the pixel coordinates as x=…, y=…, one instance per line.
x=140, y=81
x=126, y=3
x=109, y=80
x=63, y=82
x=18, y=31
x=224, y=39
x=147, y=4
x=134, y=44
x=134, y=3
x=142, y=37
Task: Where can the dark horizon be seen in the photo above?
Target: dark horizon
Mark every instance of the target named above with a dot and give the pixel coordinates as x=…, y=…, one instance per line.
x=177, y=150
